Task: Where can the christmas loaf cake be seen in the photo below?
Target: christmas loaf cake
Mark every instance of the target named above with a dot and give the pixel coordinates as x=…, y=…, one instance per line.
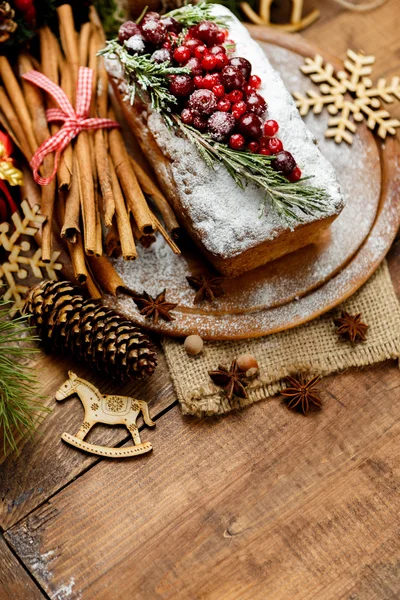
x=207, y=118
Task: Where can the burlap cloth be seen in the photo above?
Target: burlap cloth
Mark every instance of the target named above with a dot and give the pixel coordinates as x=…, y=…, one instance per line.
x=313, y=348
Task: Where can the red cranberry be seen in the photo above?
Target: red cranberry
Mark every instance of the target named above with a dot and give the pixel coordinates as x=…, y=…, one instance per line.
x=187, y=116
x=215, y=78
x=191, y=44
x=255, y=81
x=284, y=162
x=220, y=37
x=271, y=127
x=194, y=64
x=200, y=123
x=238, y=109
x=182, y=54
x=221, y=61
x=208, y=63
x=181, y=85
x=127, y=30
x=221, y=125
x=217, y=50
x=232, y=78
x=250, y=125
x=161, y=55
x=237, y=141
x=198, y=80
x=209, y=81
x=295, y=175
x=203, y=102
x=207, y=32
x=256, y=104
x=135, y=44
x=224, y=105
x=200, y=51
x=243, y=64
x=154, y=32
x=172, y=25
x=264, y=151
x=248, y=89
x=150, y=16
x=219, y=90
x=275, y=145
x=253, y=147
x=235, y=96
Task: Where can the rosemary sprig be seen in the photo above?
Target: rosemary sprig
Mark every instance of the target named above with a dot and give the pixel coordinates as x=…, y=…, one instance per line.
x=292, y=202
x=145, y=75
x=191, y=14
x=20, y=408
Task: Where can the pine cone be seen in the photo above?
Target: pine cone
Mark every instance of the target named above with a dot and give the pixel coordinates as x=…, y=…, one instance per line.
x=84, y=328
x=7, y=24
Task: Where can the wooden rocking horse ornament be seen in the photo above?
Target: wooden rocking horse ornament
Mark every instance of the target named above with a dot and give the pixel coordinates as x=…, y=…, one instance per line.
x=111, y=410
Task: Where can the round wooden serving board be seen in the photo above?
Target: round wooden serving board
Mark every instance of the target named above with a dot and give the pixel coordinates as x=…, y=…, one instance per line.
x=301, y=285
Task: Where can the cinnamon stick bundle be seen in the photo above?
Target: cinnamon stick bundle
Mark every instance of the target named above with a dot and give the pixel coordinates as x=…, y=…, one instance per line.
x=122, y=219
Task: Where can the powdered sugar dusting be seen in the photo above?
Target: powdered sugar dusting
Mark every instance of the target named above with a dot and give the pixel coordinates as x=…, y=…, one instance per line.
x=226, y=217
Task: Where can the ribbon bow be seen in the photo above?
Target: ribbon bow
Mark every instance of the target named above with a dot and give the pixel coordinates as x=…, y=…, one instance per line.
x=73, y=121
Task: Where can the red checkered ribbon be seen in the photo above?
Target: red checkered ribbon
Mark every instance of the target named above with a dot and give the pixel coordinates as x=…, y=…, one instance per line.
x=74, y=121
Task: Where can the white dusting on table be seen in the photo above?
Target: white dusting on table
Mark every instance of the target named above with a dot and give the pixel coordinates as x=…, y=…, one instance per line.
x=226, y=217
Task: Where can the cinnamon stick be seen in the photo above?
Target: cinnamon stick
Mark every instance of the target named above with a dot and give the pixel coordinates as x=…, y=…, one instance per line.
x=152, y=190
x=65, y=171
x=133, y=194
x=144, y=240
x=166, y=237
x=84, y=37
x=113, y=242
x=14, y=91
x=105, y=274
x=35, y=103
x=122, y=219
x=77, y=254
x=12, y=124
x=69, y=39
x=71, y=228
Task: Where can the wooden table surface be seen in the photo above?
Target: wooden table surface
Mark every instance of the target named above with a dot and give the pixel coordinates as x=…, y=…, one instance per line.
x=262, y=504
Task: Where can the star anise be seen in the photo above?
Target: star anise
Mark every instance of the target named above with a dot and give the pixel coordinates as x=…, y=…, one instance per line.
x=154, y=307
x=302, y=393
x=351, y=327
x=207, y=289
x=232, y=380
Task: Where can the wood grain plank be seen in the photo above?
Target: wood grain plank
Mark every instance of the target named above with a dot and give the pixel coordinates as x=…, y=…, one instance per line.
x=261, y=504
x=15, y=583
x=45, y=463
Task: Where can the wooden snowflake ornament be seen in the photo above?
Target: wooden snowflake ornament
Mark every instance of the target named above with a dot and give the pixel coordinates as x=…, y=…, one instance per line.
x=349, y=96
x=19, y=260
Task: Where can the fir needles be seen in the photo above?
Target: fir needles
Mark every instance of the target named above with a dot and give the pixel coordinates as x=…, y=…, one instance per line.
x=19, y=406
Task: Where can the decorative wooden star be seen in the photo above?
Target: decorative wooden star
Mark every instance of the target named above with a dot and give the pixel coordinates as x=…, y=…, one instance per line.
x=154, y=308
x=351, y=327
x=207, y=288
x=302, y=393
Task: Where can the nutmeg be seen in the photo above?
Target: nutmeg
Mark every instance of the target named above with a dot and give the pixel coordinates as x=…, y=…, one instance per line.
x=193, y=344
x=246, y=362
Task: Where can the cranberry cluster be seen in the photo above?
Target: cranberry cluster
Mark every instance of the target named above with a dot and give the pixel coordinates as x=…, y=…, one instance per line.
x=220, y=93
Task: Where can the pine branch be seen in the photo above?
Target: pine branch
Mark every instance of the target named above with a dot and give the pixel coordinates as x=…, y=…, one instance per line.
x=143, y=74
x=19, y=401
x=191, y=14
x=288, y=199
